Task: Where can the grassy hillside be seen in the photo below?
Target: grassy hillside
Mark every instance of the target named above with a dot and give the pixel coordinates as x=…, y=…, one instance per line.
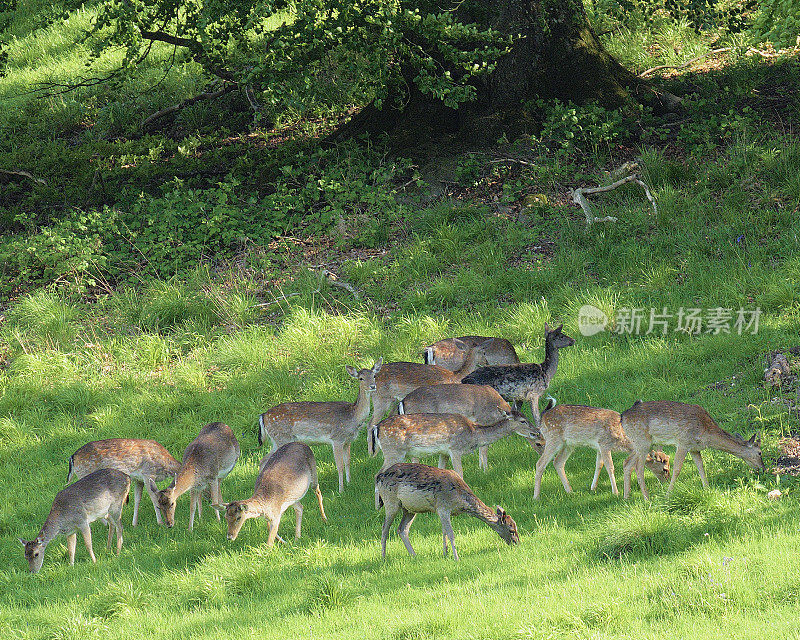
x=216, y=308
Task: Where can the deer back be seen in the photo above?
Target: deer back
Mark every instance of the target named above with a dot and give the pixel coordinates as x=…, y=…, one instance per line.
x=481, y=404
x=397, y=379
x=140, y=459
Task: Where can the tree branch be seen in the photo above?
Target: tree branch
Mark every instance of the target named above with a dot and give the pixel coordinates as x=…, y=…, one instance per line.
x=24, y=174
x=685, y=64
x=208, y=95
x=578, y=197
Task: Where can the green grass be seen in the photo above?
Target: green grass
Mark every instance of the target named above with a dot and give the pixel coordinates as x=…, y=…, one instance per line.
x=156, y=358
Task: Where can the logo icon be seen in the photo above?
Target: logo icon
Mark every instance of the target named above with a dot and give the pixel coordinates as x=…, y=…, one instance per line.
x=591, y=320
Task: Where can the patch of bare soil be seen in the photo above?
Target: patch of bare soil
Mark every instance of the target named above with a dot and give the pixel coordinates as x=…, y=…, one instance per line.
x=788, y=463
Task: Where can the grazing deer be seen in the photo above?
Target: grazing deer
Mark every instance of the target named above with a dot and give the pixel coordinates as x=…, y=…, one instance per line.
x=480, y=403
x=525, y=382
x=419, y=434
x=451, y=353
x=687, y=426
x=140, y=459
x=207, y=460
x=565, y=427
x=100, y=494
x=417, y=488
x=283, y=480
x=334, y=423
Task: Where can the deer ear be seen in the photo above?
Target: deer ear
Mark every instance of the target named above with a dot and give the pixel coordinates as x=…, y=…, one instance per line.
x=377, y=366
x=22, y=542
x=546, y=328
x=351, y=370
x=559, y=328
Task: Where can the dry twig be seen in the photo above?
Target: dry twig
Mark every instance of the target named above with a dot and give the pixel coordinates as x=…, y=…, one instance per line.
x=578, y=197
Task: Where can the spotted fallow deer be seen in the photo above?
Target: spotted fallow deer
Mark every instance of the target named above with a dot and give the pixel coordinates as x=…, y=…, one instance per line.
x=397, y=379
x=526, y=381
x=451, y=353
x=140, y=459
x=687, y=426
x=284, y=479
x=419, y=434
x=334, y=423
x=418, y=488
x=207, y=460
x=565, y=427
x=100, y=494
x=480, y=403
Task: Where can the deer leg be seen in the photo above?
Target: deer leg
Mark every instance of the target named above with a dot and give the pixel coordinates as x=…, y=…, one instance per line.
x=346, y=447
x=273, y=530
x=609, y=462
x=455, y=458
x=379, y=408
x=87, y=540
x=298, y=518
x=72, y=541
x=627, y=468
x=338, y=456
x=111, y=528
x=483, y=457
x=547, y=455
x=598, y=465
x=193, y=500
x=442, y=461
x=154, y=499
x=138, y=485
x=447, y=533
x=698, y=462
x=680, y=456
x=402, y=530
x=321, y=507
x=216, y=496
x=559, y=462
x=391, y=513
x=415, y=460
x=537, y=417
x=640, y=458
x=116, y=519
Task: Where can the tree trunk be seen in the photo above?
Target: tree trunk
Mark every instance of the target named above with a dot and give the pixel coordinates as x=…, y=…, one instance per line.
x=555, y=54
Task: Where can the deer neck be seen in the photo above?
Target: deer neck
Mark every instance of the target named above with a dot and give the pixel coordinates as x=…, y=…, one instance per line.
x=477, y=509
x=492, y=433
x=184, y=480
x=724, y=441
x=259, y=506
x=49, y=530
x=468, y=366
x=361, y=406
x=550, y=363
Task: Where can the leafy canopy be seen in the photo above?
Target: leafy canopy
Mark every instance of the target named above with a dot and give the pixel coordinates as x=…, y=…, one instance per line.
x=282, y=47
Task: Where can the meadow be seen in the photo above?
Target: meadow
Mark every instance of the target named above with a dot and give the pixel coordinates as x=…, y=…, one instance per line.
x=104, y=334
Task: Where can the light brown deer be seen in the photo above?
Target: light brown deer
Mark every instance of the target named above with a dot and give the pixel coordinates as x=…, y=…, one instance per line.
x=207, y=460
x=565, y=427
x=418, y=488
x=419, y=434
x=687, y=426
x=480, y=403
x=451, y=353
x=140, y=459
x=101, y=494
x=334, y=423
x=283, y=480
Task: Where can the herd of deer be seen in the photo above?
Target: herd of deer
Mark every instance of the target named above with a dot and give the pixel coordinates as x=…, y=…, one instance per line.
x=466, y=395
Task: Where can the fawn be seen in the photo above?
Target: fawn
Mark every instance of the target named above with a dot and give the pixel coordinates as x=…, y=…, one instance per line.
x=687, y=426
x=335, y=423
x=417, y=488
x=207, y=460
x=140, y=459
x=451, y=353
x=419, y=434
x=480, y=403
x=283, y=480
x=565, y=427
x=100, y=494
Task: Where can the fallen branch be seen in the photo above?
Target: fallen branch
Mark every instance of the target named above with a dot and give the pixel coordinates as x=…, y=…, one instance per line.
x=578, y=197
x=23, y=173
x=685, y=64
x=278, y=299
x=208, y=95
x=336, y=281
